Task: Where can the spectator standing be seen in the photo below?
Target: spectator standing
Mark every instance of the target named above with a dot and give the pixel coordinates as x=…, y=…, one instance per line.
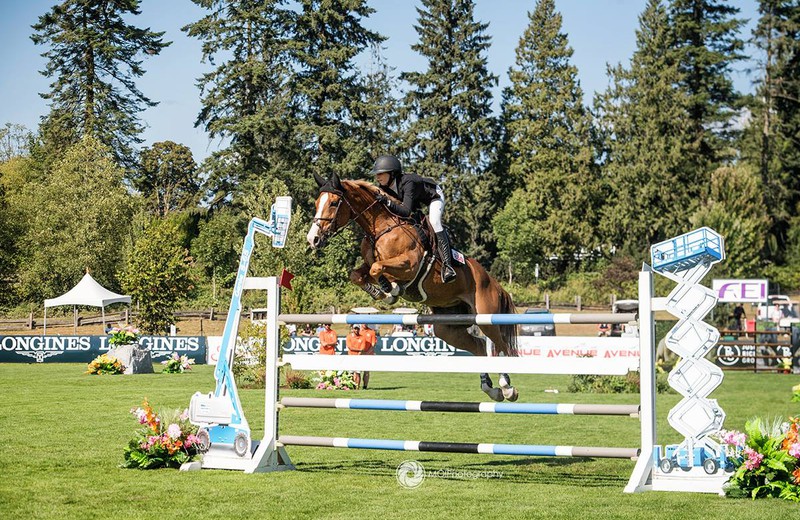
x=327, y=340
x=356, y=345
x=738, y=317
x=371, y=339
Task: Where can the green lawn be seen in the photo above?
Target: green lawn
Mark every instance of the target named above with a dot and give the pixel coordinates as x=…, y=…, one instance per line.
x=63, y=433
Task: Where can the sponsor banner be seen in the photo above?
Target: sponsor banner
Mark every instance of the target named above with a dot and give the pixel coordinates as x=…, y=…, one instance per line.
x=741, y=291
x=386, y=346
x=742, y=354
x=625, y=349
x=83, y=349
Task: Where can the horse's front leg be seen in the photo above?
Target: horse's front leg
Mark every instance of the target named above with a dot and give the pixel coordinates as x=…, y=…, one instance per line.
x=399, y=268
x=360, y=277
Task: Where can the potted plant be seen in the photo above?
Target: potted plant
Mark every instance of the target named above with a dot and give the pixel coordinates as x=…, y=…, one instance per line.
x=785, y=365
x=123, y=335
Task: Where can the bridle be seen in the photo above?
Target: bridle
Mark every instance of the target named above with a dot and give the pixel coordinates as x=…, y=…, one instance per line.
x=354, y=216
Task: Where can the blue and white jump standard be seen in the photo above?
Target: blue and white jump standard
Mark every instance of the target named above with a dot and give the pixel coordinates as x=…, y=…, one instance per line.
x=271, y=455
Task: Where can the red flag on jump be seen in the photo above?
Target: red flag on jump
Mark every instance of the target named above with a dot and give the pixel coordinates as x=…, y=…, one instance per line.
x=286, y=279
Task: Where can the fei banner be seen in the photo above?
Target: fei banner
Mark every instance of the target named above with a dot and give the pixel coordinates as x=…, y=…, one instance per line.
x=741, y=291
x=83, y=349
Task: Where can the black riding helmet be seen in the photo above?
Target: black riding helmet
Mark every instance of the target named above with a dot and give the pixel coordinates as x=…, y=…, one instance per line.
x=387, y=164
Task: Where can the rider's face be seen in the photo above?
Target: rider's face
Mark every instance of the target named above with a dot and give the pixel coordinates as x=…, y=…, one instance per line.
x=383, y=178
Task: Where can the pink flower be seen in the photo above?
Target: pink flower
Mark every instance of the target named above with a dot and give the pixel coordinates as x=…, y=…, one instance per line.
x=174, y=431
x=733, y=437
x=191, y=439
x=794, y=450
x=753, y=458
x=140, y=414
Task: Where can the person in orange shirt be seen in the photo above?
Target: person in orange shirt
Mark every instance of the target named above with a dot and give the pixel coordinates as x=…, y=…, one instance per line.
x=371, y=339
x=327, y=340
x=356, y=346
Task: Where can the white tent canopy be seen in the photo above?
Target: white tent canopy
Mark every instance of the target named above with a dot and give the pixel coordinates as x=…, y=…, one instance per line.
x=86, y=292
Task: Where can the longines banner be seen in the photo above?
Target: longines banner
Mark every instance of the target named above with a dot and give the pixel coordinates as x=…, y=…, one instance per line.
x=83, y=349
x=387, y=345
x=624, y=351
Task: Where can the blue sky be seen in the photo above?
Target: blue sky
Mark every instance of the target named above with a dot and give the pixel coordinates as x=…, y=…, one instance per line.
x=599, y=31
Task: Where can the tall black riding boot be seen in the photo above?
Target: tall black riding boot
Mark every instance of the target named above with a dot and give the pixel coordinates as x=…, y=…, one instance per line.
x=446, y=256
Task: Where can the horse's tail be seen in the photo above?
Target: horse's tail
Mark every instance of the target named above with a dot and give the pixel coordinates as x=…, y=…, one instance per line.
x=509, y=332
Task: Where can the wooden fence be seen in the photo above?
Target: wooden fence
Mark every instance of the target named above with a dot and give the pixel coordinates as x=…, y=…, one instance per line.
x=33, y=322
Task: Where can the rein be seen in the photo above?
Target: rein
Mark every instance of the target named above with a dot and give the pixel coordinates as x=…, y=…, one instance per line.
x=356, y=215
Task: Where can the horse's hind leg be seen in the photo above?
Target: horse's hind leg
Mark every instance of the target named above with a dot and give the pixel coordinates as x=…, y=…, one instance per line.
x=459, y=337
x=509, y=392
x=500, y=346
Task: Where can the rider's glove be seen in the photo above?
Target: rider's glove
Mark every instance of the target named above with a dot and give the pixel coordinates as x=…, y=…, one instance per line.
x=380, y=197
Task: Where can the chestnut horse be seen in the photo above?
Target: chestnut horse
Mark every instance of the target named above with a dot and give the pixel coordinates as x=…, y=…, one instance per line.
x=397, y=264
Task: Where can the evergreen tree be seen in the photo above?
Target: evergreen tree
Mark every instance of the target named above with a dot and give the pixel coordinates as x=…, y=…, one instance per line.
x=650, y=188
x=706, y=42
x=327, y=88
x=95, y=57
x=376, y=117
x=735, y=211
x=772, y=137
x=550, y=139
x=245, y=98
x=448, y=106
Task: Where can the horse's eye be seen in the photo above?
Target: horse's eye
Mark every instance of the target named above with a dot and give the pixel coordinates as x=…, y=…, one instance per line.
x=335, y=203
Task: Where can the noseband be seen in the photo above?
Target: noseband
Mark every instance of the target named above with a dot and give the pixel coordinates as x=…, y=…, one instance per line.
x=354, y=215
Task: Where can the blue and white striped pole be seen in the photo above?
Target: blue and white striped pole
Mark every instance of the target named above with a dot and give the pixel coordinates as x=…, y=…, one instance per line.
x=531, y=450
x=445, y=406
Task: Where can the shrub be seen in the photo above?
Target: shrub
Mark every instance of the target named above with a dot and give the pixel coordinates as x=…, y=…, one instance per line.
x=296, y=379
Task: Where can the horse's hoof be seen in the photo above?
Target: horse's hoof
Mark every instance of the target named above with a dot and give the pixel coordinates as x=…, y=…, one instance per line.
x=391, y=299
x=510, y=393
x=495, y=394
x=395, y=290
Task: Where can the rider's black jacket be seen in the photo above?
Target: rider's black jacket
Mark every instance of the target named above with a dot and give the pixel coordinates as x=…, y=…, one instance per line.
x=414, y=192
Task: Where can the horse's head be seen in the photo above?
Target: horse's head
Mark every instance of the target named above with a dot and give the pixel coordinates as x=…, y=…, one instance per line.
x=332, y=213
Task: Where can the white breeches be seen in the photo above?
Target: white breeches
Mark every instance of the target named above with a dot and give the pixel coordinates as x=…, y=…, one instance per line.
x=435, y=211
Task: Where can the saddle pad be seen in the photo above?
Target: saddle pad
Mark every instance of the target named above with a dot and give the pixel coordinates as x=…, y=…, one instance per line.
x=458, y=256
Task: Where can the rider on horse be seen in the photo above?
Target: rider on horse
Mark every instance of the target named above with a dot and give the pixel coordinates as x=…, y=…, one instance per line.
x=415, y=192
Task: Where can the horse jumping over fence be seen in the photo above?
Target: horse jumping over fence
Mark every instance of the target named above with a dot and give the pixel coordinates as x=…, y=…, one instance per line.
x=396, y=264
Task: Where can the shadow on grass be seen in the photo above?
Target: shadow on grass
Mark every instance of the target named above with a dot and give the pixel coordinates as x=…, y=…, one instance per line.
x=523, y=471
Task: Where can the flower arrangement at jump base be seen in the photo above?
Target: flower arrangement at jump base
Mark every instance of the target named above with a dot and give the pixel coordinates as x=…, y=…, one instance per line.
x=166, y=440
x=123, y=335
x=796, y=393
x=334, y=380
x=105, y=364
x=177, y=364
x=768, y=464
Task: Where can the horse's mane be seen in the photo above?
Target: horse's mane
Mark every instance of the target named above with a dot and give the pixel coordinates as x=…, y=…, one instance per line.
x=364, y=186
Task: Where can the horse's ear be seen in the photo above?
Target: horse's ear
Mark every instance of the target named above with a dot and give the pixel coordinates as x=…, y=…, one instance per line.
x=335, y=181
x=320, y=180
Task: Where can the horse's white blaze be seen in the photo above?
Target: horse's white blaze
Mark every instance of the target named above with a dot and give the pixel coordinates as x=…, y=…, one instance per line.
x=314, y=231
